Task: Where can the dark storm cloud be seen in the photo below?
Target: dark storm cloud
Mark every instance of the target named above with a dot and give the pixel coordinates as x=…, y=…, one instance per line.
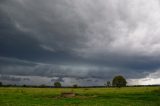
x=27, y=68
x=59, y=23
x=59, y=79
x=79, y=39
x=11, y=78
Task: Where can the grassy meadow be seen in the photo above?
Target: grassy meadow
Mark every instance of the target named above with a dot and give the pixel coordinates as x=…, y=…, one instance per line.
x=128, y=96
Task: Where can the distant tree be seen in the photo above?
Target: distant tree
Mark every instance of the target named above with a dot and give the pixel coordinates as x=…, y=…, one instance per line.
x=75, y=86
x=119, y=81
x=24, y=85
x=57, y=84
x=42, y=86
x=108, y=83
x=1, y=84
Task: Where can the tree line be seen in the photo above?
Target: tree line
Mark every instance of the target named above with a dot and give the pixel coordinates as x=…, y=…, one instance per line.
x=118, y=81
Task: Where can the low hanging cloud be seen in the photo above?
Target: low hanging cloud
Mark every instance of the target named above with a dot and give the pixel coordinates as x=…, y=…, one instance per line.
x=80, y=39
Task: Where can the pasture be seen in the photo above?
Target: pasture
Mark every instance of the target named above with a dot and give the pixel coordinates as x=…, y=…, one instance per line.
x=127, y=96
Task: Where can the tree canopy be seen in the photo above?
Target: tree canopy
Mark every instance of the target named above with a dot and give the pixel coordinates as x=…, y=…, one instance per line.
x=57, y=84
x=108, y=83
x=119, y=81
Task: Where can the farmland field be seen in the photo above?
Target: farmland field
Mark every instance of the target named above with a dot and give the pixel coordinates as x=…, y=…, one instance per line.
x=129, y=96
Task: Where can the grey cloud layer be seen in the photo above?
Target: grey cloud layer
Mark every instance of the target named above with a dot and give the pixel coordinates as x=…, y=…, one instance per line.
x=90, y=27
x=80, y=38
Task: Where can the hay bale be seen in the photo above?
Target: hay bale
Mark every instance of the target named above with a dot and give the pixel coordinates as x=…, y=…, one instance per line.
x=68, y=94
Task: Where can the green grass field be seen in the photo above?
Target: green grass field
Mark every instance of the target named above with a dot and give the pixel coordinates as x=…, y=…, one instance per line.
x=129, y=96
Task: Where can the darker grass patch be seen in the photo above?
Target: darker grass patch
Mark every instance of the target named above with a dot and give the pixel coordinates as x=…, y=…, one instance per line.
x=139, y=97
x=77, y=96
x=157, y=91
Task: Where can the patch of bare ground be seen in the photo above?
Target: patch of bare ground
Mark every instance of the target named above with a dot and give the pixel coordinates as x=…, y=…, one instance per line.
x=68, y=94
x=75, y=95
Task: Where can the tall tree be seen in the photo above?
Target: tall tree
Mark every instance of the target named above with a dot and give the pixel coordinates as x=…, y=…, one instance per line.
x=108, y=83
x=119, y=81
x=1, y=84
x=75, y=86
x=57, y=84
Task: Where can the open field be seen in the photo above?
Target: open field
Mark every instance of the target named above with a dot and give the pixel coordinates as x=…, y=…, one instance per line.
x=129, y=96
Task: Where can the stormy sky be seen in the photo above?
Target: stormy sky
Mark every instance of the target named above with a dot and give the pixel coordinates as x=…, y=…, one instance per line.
x=84, y=42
